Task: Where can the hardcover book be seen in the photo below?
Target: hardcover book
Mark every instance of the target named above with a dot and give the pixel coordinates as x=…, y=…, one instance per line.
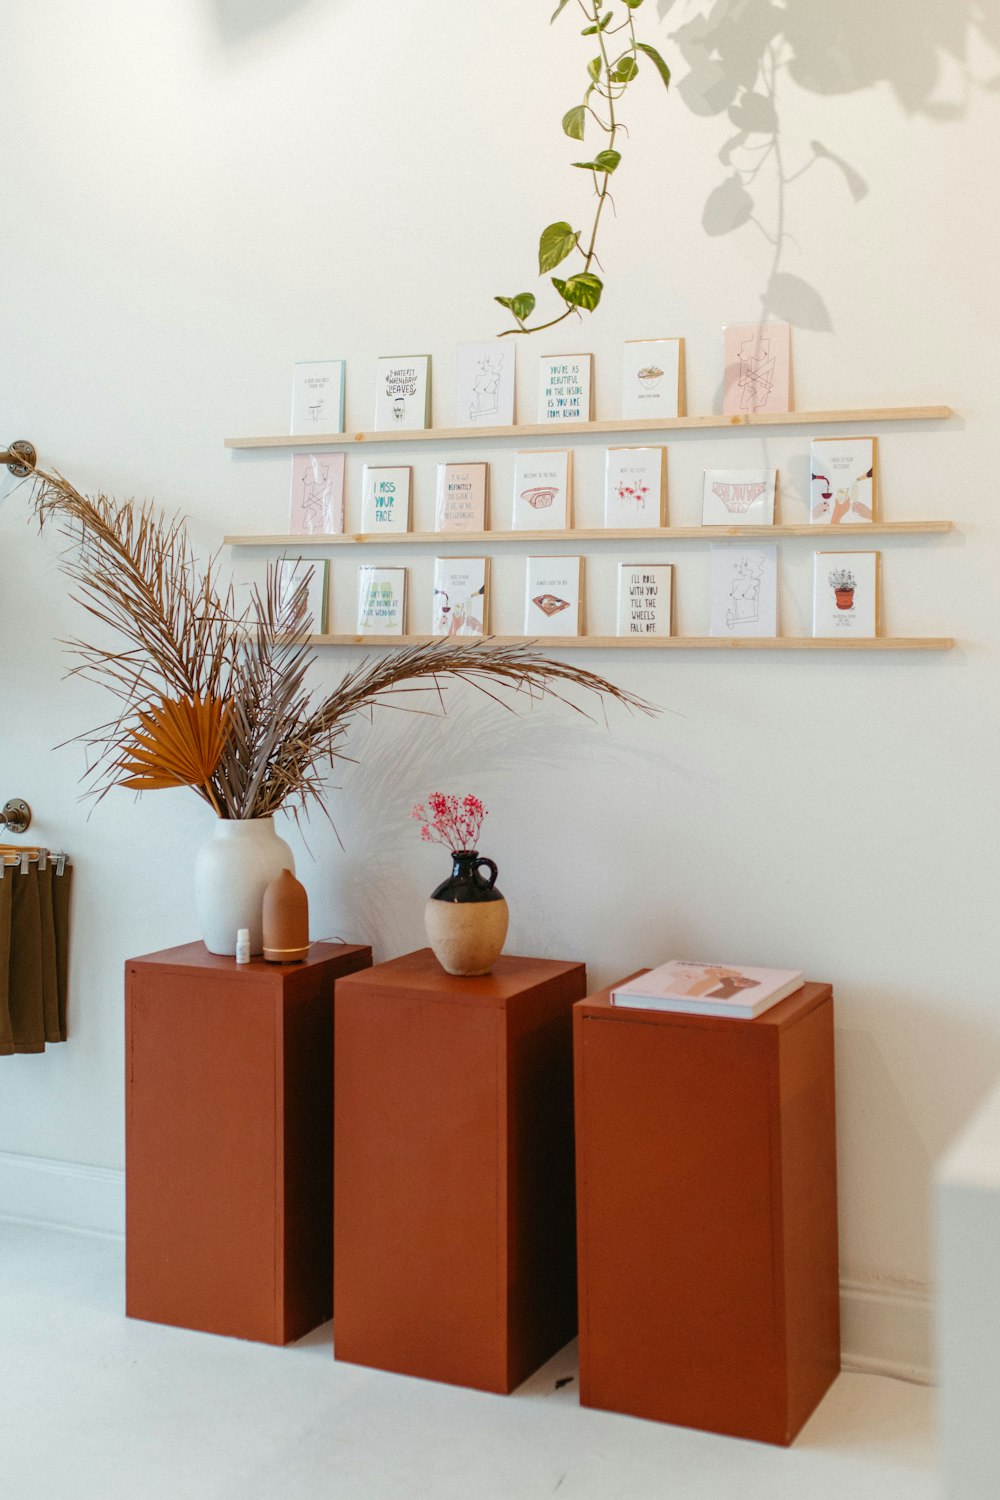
x=757, y=372
x=842, y=481
x=317, y=503
x=543, y=490
x=845, y=594
x=318, y=396
x=381, y=601
x=738, y=497
x=554, y=596
x=744, y=591
x=635, y=487
x=484, y=391
x=294, y=572
x=385, y=498
x=564, y=387
x=644, y=591
x=708, y=989
x=460, y=601
x=461, y=497
x=653, y=379
x=403, y=392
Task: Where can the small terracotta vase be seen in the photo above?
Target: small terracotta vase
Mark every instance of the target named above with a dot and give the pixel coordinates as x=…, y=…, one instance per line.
x=466, y=917
x=845, y=598
x=286, y=920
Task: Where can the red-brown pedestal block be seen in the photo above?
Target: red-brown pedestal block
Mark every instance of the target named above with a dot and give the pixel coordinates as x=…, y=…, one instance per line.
x=228, y=1102
x=454, y=1253
x=707, y=1214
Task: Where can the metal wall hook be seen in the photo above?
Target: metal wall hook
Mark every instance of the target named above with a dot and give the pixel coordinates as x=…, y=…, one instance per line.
x=16, y=815
x=20, y=458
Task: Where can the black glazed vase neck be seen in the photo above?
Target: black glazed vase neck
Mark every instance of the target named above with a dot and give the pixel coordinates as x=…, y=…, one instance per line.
x=466, y=881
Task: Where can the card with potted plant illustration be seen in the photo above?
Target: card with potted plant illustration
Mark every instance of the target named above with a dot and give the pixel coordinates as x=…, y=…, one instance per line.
x=403, y=393
x=739, y=497
x=317, y=501
x=653, y=379
x=462, y=493
x=846, y=594
x=318, y=396
x=757, y=373
x=543, y=490
x=484, y=390
x=564, y=387
x=644, y=598
x=635, y=487
x=744, y=599
x=381, y=601
x=385, y=498
x=554, y=596
x=461, y=596
x=843, y=481
x=290, y=574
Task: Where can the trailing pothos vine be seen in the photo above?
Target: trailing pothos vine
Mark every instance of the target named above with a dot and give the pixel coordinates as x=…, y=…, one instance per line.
x=611, y=73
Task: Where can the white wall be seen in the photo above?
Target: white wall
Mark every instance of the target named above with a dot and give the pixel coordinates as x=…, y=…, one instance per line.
x=199, y=192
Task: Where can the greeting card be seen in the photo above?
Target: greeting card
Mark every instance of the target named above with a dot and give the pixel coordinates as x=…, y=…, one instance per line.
x=744, y=600
x=564, y=387
x=653, y=379
x=484, y=391
x=460, y=596
x=403, y=393
x=318, y=396
x=385, y=498
x=292, y=573
x=845, y=594
x=543, y=499
x=635, y=487
x=757, y=371
x=317, y=502
x=554, y=599
x=842, y=481
x=461, y=497
x=381, y=601
x=644, y=598
x=738, y=497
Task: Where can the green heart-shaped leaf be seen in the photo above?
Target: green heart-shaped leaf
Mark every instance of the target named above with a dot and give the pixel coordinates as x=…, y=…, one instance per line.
x=555, y=244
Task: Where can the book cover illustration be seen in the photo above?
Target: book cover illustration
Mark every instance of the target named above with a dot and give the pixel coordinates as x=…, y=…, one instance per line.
x=757, y=369
x=564, y=387
x=460, y=596
x=291, y=573
x=842, y=481
x=744, y=599
x=381, y=601
x=543, y=490
x=845, y=594
x=635, y=487
x=318, y=396
x=460, y=504
x=738, y=497
x=708, y=989
x=554, y=598
x=653, y=379
x=484, y=391
x=385, y=498
x=317, y=502
x=644, y=601
x=403, y=392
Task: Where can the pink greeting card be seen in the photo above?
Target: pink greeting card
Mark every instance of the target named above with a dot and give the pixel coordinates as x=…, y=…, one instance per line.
x=757, y=374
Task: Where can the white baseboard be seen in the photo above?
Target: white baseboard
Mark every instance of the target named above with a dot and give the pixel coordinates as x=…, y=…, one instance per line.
x=62, y=1194
x=886, y=1330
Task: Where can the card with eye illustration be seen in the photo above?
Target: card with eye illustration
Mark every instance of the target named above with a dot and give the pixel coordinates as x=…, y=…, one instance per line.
x=543, y=490
x=554, y=599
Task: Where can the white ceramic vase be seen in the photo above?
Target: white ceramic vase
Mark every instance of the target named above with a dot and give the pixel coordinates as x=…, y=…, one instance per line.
x=232, y=870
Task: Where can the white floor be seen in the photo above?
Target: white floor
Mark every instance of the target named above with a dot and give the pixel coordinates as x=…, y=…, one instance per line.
x=94, y=1405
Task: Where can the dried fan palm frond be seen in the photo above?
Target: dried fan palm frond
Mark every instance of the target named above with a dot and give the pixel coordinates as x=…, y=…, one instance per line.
x=178, y=743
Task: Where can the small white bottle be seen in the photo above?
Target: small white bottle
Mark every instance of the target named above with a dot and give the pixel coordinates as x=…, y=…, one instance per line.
x=243, y=945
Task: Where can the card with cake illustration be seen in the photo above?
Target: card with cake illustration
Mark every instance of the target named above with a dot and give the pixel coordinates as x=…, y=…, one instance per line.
x=554, y=598
x=739, y=497
x=460, y=600
x=294, y=573
x=757, y=374
x=635, y=487
x=846, y=594
x=543, y=490
x=564, y=387
x=317, y=504
x=318, y=396
x=744, y=598
x=461, y=499
x=484, y=390
x=843, y=481
x=385, y=498
x=403, y=393
x=381, y=601
x=653, y=379
x=644, y=591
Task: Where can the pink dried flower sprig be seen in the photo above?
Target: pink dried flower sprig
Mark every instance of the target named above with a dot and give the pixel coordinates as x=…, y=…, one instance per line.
x=455, y=822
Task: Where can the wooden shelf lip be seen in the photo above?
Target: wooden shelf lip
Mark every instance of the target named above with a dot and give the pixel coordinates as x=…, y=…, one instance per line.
x=554, y=430
x=675, y=642
x=595, y=534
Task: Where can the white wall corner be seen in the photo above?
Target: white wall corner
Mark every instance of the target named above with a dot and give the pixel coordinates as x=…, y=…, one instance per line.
x=886, y=1329
x=63, y=1194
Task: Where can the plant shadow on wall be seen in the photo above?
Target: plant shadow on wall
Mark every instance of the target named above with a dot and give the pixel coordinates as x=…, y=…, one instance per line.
x=238, y=21
x=741, y=54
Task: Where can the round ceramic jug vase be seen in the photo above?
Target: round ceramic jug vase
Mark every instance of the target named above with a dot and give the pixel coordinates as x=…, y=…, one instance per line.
x=232, y=870
x=466, y=917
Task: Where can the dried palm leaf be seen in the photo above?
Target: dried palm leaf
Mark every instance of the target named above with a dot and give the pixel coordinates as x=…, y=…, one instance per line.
x=178, y=743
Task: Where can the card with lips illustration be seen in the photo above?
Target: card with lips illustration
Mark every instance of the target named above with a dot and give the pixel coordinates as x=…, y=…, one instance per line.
x=553, y=596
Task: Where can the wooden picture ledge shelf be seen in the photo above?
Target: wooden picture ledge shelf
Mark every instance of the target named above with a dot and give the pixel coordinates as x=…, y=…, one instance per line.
x=306, y=541
x=662, y=643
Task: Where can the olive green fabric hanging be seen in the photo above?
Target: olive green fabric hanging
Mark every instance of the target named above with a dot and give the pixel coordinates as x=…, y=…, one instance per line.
x=34, y=948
